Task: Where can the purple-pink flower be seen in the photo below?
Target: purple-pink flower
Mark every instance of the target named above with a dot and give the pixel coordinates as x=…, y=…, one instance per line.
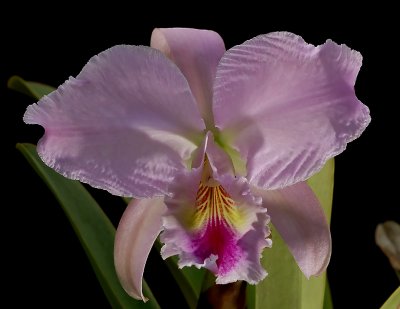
x=206, y=141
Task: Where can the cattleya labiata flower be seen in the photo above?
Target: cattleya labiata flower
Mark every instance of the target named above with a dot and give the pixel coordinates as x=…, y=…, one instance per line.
x=212, y=145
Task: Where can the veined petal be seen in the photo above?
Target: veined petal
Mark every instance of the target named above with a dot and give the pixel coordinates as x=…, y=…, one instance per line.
x=138, y=229
x=300, y=220
x=126, y=124
x=197, y=53
x=287, y=106
x=217, y=224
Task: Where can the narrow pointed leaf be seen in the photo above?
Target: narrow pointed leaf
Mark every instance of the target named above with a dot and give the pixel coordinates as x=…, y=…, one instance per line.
x=322, y=185
x=189, y=279
x=327, y=297
x=93, y=228
x=313, y=290
x=393, y=301
x=32, y=89
x=286, y=286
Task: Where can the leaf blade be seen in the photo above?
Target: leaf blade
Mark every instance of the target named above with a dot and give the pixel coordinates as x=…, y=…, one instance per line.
x=32, y=89
x=313, y=291
x=393, y=302
x=284, y=274
x=327, y=297
x=93, y=228
x=189, y=279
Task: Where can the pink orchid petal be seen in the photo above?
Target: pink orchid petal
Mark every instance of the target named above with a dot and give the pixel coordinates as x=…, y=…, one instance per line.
x=300, y=220
x=287, y=106
x=125, y=124
x=196, y=53
x=138, y=229
x=227, y=239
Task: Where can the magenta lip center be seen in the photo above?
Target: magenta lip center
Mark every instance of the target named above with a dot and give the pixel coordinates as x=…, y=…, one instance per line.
x=216, y=237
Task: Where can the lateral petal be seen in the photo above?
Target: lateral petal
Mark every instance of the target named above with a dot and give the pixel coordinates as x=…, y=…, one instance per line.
x=126, y=124
x=287, y=106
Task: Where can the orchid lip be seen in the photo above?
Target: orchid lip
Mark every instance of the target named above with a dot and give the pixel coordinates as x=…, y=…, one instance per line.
x=215, y=222
x=214, y=206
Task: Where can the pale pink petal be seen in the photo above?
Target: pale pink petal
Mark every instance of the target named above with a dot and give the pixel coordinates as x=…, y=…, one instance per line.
x=287, y=106
x=138, y=229
x=126, y=124
x=300, y=220
x=217, y=224
x=196, y=53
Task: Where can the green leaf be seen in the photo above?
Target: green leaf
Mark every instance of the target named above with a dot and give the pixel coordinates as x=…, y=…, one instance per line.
x=327, y=297
x=285, y=285
x=93, y=228
x=32, y=89
x=322, y=185
x=313, y=290
x=393, y=301
x=189, y=279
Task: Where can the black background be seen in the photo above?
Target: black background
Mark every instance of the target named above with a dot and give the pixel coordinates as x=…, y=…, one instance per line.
x=47, y=264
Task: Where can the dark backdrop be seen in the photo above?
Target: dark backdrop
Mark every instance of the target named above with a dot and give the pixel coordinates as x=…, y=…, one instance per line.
x=47, y=264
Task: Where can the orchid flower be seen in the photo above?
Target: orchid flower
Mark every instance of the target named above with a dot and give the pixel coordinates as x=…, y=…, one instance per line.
x=206, y=141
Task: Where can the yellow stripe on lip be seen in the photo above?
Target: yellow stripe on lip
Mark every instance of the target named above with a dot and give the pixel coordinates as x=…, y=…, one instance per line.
x=214, y=205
